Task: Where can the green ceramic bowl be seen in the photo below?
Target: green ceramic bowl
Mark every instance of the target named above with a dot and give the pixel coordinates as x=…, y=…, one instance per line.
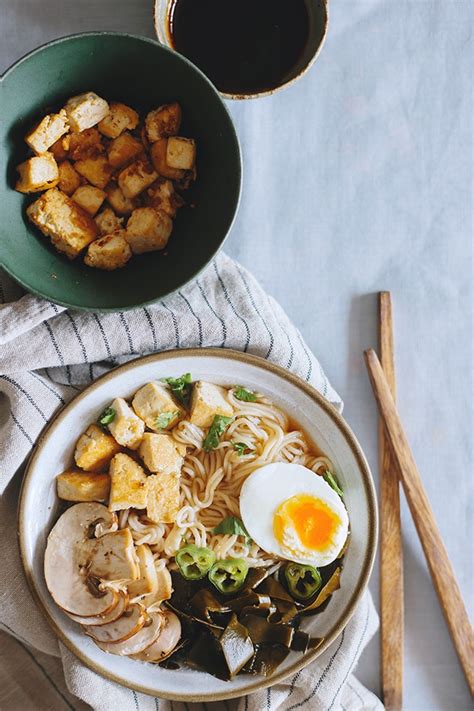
x=144, y=74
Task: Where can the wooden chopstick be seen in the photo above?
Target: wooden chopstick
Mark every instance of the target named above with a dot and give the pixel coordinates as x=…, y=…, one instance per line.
x=441, y=570
x=391, y=551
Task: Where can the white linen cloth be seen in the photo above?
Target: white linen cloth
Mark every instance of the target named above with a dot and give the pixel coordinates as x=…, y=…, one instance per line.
x=48, y=354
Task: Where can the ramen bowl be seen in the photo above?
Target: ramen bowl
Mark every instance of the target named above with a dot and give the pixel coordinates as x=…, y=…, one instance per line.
x=39, y=509
x=143, y=74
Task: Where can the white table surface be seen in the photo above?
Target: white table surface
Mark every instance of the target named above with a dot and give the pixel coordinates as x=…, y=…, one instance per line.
x=356, y=179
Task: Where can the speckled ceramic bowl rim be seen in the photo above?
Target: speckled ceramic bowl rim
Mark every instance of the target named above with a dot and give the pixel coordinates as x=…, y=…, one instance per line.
x=256, y=683
x=107, y=33
x=165, y=40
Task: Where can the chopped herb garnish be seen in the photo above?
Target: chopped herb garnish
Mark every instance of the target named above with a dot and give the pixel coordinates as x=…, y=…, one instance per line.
x=330, y=479
x=107, y=416
x=164, y=418
x=180, y=387
x=231, y=525
x=242, y=393
x=217, y=429
x=240, y=448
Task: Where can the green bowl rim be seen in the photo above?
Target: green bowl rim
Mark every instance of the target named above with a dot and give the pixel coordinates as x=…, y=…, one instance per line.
x=114, y=33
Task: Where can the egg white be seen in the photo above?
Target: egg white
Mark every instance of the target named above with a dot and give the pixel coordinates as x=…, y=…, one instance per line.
x=266, y=489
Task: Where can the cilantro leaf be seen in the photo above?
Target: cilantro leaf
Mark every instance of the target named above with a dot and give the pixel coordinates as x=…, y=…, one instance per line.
x=107, y=416
x=217, y=429
x=240, y=448
x=164, y=418
x=330, y=479
x=231, y=525
x=180, y=387
x=242, y=393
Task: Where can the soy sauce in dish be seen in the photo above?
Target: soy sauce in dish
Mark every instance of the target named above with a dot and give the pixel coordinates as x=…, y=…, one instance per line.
x=243, y=46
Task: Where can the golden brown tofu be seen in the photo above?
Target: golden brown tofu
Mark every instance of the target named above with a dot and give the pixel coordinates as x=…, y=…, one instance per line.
x=60, y=148
x=69, y=178
x=80, y=486
x=163, y=122
x=109, y=252
x=47, y=131
x=124, y=149
x=180, y=153
x=127, y=484
x=37, y=173
x=155, y=405
x=163, y=497
x=85, y=110
x=107, y=221
x=96, y=171
x=162, y=196
x=158, y=157
x=118, y=201
x=120, y=118
x=136, y=177
x=148, y=230
x=89, y=197
x=87, y=144
x=160, y=453
x=94, y=449
x=70, y=228
x=126, y=427
x=207, y=401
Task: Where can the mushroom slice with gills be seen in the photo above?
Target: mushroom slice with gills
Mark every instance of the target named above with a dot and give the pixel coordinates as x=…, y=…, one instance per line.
x=147, y=581
x=68, y=561
x=131, y=621
x=111, y=616
x=140, y=641
x=165, y=643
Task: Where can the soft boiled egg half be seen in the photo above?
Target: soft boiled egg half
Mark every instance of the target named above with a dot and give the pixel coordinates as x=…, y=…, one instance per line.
x=292, y=513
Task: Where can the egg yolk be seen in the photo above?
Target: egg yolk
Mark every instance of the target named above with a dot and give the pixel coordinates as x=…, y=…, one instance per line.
x=312, y=519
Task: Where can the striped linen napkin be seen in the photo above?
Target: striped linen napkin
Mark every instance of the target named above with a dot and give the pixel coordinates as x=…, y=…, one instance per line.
x=48, y=354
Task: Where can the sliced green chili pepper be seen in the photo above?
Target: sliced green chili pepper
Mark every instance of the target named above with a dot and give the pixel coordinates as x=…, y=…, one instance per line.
x=194, y=562
x=228, y=575
x=303, y=580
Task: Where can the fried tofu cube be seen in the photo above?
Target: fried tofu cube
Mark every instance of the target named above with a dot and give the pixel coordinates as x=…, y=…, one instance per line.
x=60, y=148
x=96, y=171
x=118, y=201
x=69, y=178
x=124, y=149
x=87, y=144
x=127, y=484
x=107, y=221
x=162, y=196
x=153, y=400
x=47, y=131
x=70, y=228
x=163, y=122
x=136, y=178
x=126, y=427
x=163, y=497
x=158, y=156
x=89, y=197
x=148, y=230
x=94, y=449
x=74, y=485
x=85, y=110
x=160, y=453
x=37, y=173
x=109, y=252
x=120, y=118
x=181, y=153
x=207, y=401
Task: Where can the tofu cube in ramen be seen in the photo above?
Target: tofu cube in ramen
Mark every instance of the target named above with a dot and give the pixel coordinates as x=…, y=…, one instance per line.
x=160, y=453
x=207, y=401
x=75, y=485
x=127, y=484
x=153, y=400
x=94, y=449
x=126, y=428
x=163, y=497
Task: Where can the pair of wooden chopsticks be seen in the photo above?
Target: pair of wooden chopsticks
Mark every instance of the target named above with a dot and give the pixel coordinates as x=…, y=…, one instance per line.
x=398, y=465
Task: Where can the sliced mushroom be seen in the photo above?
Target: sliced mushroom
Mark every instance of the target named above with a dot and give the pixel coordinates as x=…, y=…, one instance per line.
x=165, y=643
x=68, y=565
x=118, y=631
x=147, y=581
x=140, y=641
x=111, y=616
x=113, y=556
